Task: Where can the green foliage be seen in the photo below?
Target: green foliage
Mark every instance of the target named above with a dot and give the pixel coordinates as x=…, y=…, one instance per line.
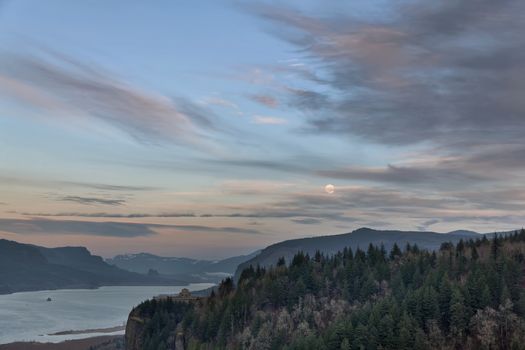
x=411, y=299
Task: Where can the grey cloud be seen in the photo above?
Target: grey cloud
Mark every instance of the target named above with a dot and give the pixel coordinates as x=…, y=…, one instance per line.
x=369, y=198
x=291, y=166
x=279, y=212
x=426, y=224
x=469, y=165
x=265, y=100
x=71, y=227
x=77, y=89
x=114, y=215
x=377, y=224
x=499, y=157
x=437, y=174
x=382, y=206
x=215, y=229
x=92, y=200
x=108, y=229
x=262, y=212
x=307, y=221
x=307, y=99
x=109, y=187
x=439, y=72
x=57, y=184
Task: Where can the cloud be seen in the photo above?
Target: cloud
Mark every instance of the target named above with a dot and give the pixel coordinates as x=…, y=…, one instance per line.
x=426, y=224
x=114, y=215
x=199, y=228
x=217, y=101
x=107, y=229
x=291, y=165
x=110, y=187
x=255, y=187
x=258, y=212
x=71, y=227
x=434, y=175
x=268, y=120
x=408, y=207
x=63, y=86
x=265, y=100
x=437, y=72
x=92, y=200
x=307, y=221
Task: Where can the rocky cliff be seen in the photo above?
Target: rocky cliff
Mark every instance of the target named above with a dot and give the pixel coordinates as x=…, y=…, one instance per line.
x=134, y=338
x=165, y=313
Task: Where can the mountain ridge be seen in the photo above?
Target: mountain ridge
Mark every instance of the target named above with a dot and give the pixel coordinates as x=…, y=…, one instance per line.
x=188, y=269
x=360, y=237
x=27, y=267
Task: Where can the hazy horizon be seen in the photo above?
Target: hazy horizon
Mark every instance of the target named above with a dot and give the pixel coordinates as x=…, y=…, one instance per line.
x=213, y=129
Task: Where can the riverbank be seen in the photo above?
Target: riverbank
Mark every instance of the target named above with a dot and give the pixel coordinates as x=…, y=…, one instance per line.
x=93, y=330
x=107, y=342
x=29, y=317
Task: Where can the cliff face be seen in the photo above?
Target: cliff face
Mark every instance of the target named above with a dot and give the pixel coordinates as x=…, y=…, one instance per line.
x=134, y=337
x=25, y=267
x=164, y=313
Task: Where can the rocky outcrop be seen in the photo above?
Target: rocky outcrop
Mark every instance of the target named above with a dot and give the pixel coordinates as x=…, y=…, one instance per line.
x=158, y=323
x=134, y=338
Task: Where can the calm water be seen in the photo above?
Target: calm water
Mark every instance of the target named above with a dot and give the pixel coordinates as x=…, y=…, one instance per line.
x=28, y=316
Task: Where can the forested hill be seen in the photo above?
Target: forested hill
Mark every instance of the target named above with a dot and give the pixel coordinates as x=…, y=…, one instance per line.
x=359, y=238
x=467, y=295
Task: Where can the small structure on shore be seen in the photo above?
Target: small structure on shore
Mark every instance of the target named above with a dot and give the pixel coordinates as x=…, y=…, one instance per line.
x=184, y=296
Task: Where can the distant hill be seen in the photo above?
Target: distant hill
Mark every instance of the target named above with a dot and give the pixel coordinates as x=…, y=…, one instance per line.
x=25, y=267
x=359, y=238
x=191, y=270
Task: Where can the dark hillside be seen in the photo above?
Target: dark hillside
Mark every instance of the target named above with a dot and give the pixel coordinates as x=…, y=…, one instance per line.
x=467, y=295
x=25, y=267
x=359, y=238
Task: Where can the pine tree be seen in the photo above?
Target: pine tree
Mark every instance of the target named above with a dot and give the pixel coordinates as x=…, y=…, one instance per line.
x=444, y=297
x=458, y=322
x=474, y=253
x=395, y=252
x=345, y=344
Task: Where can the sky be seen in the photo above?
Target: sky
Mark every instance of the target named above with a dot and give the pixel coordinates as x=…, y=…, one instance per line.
x=211, y=129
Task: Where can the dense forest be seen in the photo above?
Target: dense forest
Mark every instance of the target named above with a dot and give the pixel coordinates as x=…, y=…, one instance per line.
x=464, y=296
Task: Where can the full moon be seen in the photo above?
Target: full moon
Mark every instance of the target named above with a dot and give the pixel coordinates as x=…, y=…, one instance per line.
x=329, y=188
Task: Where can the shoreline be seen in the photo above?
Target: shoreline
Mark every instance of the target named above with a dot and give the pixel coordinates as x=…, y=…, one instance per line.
x=105, y=342
x=72, y=288
x=91, y=330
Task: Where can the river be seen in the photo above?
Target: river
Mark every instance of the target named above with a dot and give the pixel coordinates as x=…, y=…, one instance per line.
x=28, y=316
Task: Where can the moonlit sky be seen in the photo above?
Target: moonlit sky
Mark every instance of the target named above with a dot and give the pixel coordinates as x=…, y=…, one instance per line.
x=211, y=128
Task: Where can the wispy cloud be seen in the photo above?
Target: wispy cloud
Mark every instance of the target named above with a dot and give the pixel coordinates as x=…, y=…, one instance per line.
x=71, y=227
x=428, y=72
x=265, y=100
x=107, y=229
x=268, y=120
x=113, y=215
x=29, y=181
x=92, y=200
x=307, y=221
x=218, y=101
x=60, y=85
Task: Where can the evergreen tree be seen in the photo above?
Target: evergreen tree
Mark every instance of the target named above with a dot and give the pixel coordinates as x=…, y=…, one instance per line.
x=458, y=321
